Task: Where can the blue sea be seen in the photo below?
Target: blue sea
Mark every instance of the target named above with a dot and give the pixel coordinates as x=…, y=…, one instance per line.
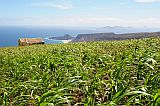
x=9, y=35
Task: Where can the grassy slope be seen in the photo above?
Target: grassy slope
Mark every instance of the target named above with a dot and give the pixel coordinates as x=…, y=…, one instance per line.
x=117, y=72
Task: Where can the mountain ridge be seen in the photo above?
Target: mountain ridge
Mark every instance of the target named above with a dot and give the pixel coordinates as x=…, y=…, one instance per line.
x=113, y=36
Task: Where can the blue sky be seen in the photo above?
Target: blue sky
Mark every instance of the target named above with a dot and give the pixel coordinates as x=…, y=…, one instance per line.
x=90, y=13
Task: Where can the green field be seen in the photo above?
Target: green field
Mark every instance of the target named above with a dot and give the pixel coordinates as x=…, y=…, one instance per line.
x=112, y=73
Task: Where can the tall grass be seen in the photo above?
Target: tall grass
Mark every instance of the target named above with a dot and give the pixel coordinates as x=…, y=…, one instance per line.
x=109, y=73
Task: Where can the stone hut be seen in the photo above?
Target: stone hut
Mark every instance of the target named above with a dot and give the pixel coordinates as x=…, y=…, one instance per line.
x=30, y=41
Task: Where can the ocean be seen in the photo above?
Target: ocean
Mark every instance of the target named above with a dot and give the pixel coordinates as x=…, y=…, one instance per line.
x=9, y=35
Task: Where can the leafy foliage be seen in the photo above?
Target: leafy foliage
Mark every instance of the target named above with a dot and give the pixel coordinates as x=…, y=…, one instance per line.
x=82, y=74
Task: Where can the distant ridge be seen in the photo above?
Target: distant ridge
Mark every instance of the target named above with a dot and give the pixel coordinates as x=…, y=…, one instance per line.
x=116, y=27
x=113, y=36
x=65, y=37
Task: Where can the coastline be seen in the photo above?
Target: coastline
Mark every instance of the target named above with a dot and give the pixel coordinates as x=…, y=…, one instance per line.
x=66, y=41
x=60, y=41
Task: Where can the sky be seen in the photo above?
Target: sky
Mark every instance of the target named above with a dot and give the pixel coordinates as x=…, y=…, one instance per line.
x=80, y=13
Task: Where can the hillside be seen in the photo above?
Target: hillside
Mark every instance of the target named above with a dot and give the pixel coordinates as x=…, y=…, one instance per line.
x=113, y=36
x=65, y=37
x=112, y=73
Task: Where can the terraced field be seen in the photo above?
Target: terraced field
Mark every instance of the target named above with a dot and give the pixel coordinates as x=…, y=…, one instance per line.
x=109, y=73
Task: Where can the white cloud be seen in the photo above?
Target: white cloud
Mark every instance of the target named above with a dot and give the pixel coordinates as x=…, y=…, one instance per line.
x=80, y=21
x=147, y=1
x=62, y=6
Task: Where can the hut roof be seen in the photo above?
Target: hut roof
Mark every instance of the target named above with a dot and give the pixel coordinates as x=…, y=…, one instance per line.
x=31, y=40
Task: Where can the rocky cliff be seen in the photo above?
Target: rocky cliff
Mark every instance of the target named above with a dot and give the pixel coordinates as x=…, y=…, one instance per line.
x=113, y=36
x=65, y=37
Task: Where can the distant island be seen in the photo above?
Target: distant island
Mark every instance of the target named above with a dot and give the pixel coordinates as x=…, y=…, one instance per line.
x=65, y=37
x=113, y=36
